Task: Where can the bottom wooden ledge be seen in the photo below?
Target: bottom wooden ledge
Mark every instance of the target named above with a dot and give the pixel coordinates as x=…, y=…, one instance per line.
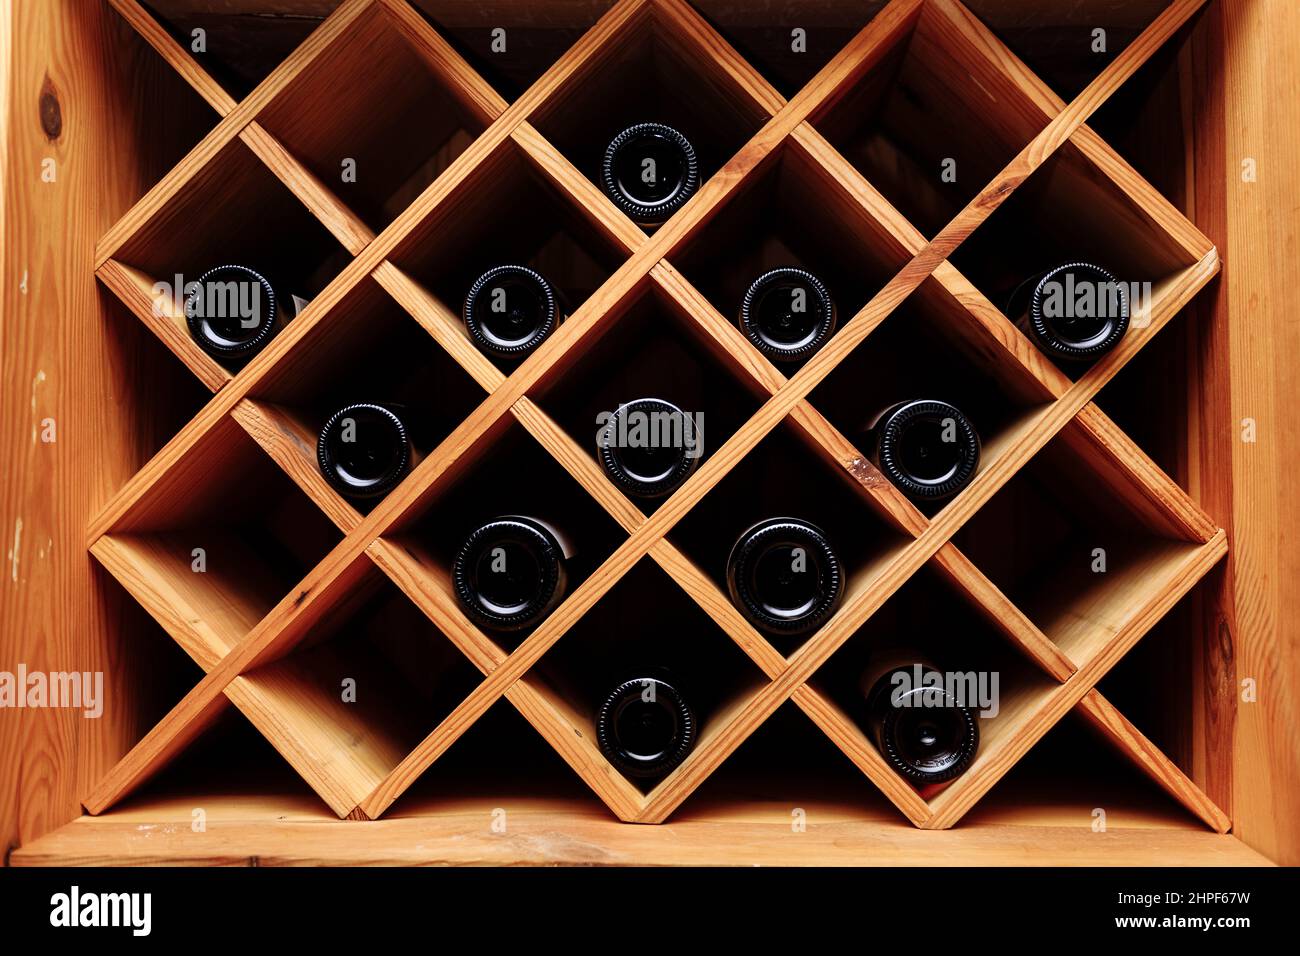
x=298, y=831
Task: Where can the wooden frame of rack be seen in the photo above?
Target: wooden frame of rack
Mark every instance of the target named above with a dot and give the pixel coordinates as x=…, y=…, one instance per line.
x=370, y=257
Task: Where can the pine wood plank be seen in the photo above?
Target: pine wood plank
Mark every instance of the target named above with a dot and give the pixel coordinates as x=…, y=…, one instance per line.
x=285, y=439
x=572, y=736
x=322, y=590
x=1101, y=443
x=206, y=614
x=294, y=830
x=353, y=234
x=1002, y=613
x=766, y=142
x=417, y=574
x=725, y=341
x=1062, y=126
x=177, y=57
x=592, y=203
x=227, y=130
x=994, y=761
x=1141, y=751
x=578, y=462
x=136, y=290
x=1257, y=345
x=848, y=736
x=842, y=177
x=341, y=749
x=473, y=92
x=1212, y=430
x=682, y=22
x=688, y=575
x=68, y=71
x=865, y=478
x=446, y=328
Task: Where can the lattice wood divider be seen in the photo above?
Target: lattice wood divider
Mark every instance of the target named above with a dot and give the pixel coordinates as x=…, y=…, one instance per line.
x=247, y=633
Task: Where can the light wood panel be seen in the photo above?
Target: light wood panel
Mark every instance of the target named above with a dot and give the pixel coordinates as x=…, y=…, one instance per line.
x=1259, y=383
x=292, y=831
x=1088, y=639
x=67, y=70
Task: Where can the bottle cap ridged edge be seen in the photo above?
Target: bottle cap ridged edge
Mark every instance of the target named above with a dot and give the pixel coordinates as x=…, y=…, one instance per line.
x=253, y=344
x=1049, y=341
x=331, y=473
x=611, y=752
x=465, y=594
x=743, y=551
x=512, y=351
x=642, y=212
x=889, y=429
x=609, y=460
x=827, y=308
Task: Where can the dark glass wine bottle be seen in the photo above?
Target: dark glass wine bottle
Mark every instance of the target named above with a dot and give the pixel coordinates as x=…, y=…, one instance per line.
x=510, y=572
x=922, y=732
x=510, y=310
x=233, y=311
x=365, y=449
x=649, y=447
x=650, y=171
x=784, y=576
x=1073, y=312
x=927, y=448
x=645, y=726
x=788, y=314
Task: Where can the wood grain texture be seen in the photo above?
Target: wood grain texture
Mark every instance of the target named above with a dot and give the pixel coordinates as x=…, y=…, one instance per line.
x=226, y=130
x=164, y=316
x=67, y=69
x=1002, y=613
x=1107, y=718
x=992, y=763
x=295, y=830
x=260, y=674
x=1261, y=347
x=293, y=447
x=351, y=232
x=176, y=55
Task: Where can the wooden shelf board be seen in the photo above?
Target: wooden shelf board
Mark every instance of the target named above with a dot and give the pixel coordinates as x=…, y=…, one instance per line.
x=294, y=829
x=293, y=447
x=176, y=55
x=287, y=622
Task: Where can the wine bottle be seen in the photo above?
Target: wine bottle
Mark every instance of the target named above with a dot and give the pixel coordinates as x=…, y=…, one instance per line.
x=927, y=448
x=1074, y=312
x=649, y=447
x=922, y=731
x=784, y=576
x=644, y=726
x=233, y=311
x=788, y=314
x=649, y=171
x=510, y=572
x=365, y=449
x=510, y=310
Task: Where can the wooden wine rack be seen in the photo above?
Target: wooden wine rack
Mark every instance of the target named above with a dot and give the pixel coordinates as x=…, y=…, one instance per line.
x=452, y=175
